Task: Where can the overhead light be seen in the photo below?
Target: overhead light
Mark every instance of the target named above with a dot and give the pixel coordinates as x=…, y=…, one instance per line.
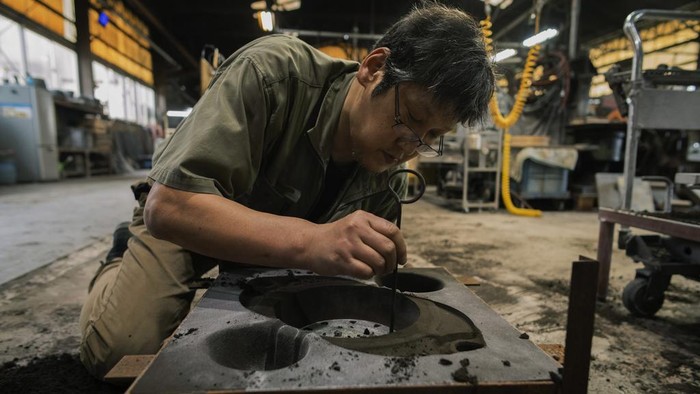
x=259, y=5
x=266, y=20
x=504, y=54
x=179, y=114
x=277, y=5
x=286, y=5
x=502, y=4
x=540, y=37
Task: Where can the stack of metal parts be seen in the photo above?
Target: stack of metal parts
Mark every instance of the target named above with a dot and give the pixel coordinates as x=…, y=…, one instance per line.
x=258, y=329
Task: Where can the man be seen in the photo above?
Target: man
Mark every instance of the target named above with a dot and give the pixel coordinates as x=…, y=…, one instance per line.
x=284, y=162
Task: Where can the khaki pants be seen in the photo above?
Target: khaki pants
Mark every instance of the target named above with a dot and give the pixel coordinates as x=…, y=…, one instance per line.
x=135, y=304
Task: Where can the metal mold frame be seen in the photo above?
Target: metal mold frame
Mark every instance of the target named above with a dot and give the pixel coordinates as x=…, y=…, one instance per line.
x=508, y=361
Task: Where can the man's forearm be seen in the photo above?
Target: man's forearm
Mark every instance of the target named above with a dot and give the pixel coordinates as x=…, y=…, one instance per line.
x=360, y=244
x=220, y=228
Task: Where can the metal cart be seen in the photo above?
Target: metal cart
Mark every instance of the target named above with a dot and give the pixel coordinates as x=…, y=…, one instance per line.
x=656, y=99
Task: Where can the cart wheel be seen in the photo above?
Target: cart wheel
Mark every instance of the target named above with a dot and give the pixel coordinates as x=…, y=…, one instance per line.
x=638, y=302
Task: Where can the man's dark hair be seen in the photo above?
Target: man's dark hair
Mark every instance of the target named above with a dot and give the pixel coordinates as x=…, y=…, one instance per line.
x=441, y=48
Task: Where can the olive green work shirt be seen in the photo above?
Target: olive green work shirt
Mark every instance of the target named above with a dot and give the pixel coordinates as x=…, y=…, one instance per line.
x=262, y=135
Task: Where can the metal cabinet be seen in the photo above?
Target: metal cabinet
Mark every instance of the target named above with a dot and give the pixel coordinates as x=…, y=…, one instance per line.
x=28, y=129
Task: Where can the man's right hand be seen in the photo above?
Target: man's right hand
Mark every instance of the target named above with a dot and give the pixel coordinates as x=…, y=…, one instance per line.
x=359, y=245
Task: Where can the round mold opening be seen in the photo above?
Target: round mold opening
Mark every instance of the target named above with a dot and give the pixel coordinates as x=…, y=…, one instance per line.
x=356, y=316
x=333, y=308
x=260, y=347
x=411, y=282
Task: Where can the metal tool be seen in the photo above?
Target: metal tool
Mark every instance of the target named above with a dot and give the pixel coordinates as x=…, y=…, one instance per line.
x=399, y=200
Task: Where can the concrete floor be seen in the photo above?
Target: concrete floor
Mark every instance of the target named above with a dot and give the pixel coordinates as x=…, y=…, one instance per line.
x=523, y=265
x=42, y=222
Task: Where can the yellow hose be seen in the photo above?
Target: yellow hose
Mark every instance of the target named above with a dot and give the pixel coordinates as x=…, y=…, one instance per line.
x=505, y=184
x=505, y=122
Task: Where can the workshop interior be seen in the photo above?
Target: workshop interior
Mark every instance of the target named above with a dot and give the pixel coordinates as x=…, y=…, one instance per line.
x=592, y=135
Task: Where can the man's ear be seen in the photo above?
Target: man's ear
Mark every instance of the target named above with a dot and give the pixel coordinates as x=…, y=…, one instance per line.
x=372, y=67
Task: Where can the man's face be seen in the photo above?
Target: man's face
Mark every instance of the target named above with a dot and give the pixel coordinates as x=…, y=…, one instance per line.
x=378, y=142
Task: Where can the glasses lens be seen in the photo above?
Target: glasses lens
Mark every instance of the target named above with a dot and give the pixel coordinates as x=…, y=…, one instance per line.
x=427, y=151
x=405, y=133
x=422, y=147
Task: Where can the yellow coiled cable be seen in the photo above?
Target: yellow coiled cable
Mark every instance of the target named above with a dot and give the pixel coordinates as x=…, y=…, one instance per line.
x=505, y=122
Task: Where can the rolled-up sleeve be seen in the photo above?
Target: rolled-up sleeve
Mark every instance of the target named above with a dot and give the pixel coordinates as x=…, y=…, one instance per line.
x=217, y=149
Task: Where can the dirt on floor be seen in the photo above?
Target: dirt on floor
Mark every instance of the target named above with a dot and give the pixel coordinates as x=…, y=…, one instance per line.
x=523, y=264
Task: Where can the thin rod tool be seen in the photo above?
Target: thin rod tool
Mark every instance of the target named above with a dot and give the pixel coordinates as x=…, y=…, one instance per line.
x=399, y=202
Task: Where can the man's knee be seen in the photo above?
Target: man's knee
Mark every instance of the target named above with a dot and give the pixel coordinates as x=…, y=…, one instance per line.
x=101, y=348
x=96, y=354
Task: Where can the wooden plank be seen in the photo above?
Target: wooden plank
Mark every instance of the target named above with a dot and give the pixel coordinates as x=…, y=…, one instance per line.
x=554, y=350
x=526, y=387
x=468, y=280
x=584, y=203
x=128, y=369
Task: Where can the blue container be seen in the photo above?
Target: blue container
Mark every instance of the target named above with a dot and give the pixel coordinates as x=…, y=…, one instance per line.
x=543, y=181
x=8, y=171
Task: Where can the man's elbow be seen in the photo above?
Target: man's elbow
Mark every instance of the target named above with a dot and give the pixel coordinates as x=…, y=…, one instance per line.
x=155, y=216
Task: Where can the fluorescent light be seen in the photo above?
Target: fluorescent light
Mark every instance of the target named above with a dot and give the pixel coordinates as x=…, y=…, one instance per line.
x=502, y=4
x=258, y=5
x=277, y=5
x=286, y=5
x=540, y=37
x=266, y=19
x=179, y=114
x=504, y=54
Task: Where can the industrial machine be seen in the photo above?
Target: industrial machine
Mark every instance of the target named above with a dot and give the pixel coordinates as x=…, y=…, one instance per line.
x=470, y=168
x=28, y=129
x=656, y=99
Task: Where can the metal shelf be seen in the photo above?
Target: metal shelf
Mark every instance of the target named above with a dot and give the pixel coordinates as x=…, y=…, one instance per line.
x=485, y=143
x=88, y=156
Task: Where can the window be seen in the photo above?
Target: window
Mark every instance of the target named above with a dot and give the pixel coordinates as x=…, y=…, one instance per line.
x=55, y=15
x=109, y=89
x=145, y=105
x=11, y=63
x=52, y=62
x=130, y=99
x=123, y=97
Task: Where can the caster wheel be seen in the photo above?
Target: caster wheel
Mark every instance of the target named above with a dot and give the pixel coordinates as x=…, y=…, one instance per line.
x=638, y=302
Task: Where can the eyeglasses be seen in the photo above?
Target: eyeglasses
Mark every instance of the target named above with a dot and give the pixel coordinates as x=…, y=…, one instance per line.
x=409, y=136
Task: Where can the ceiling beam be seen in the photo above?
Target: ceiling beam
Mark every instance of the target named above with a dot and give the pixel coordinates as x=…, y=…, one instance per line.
x=146, y=13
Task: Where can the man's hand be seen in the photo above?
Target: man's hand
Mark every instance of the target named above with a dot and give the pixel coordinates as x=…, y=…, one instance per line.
x=359, y=245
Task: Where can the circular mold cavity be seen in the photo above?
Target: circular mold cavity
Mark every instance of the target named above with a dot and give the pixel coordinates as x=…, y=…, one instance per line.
x=324, y=307
x=357, y=316
x=347, y=328
x=411, y=282
x=259, y=347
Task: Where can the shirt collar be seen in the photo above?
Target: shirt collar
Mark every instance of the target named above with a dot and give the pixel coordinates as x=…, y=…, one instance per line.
x=323, y=131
